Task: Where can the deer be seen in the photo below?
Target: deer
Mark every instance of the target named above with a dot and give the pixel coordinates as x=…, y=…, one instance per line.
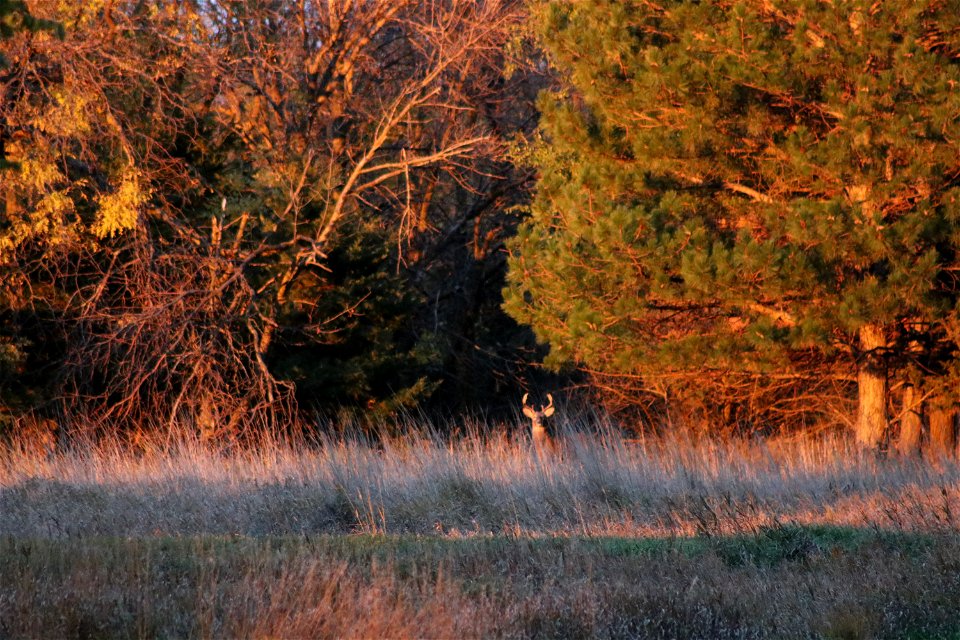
x=542, y=441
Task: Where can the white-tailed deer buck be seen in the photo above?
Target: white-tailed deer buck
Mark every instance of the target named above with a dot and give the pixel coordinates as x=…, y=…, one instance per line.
x=541, y=439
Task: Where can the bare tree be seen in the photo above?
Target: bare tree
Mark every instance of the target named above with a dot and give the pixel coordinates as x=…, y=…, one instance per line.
x=209, y=159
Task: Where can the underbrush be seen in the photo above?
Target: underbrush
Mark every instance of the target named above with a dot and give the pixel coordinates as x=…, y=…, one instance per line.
x=474, y=536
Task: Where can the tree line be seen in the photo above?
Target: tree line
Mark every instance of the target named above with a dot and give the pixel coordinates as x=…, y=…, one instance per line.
x=229, y=213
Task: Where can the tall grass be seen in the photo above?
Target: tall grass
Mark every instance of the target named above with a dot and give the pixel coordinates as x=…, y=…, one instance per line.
x=475, y=536
x=473, y=484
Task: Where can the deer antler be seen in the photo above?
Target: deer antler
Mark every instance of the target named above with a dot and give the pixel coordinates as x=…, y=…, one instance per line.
x=548, y=410
x=545, y=411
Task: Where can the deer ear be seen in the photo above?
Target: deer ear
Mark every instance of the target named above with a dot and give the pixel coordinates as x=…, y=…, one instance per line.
x=548, y=411
x=529, y=412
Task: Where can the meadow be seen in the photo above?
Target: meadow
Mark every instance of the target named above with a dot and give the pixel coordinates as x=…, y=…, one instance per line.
x=472, y=535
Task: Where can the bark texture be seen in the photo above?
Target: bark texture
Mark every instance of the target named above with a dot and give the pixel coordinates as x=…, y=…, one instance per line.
x=911, y=422
x=943, y=430
x=871, y=427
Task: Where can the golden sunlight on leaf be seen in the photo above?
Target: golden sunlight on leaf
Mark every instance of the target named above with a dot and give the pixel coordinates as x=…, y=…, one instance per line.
x=39, y=173
x=49, y=214
x=74, y=15
x=118, y=211
x=48, y=220
x=67, y=116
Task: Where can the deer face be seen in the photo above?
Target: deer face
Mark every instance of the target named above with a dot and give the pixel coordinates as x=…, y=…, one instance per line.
x=537, y=415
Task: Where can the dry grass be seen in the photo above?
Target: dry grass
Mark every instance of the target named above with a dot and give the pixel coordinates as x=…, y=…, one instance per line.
x=427, y=537
x=783, y=583
x=471, y=486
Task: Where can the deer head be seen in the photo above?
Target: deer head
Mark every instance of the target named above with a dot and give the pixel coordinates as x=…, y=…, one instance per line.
x=540, y=436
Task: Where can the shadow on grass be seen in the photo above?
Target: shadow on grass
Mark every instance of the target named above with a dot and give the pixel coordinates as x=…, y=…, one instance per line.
x=781, y=581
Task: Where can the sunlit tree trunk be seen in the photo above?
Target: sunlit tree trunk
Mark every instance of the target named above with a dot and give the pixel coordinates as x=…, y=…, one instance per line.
x=911, y=422
x=943, y=430
x=872, y=388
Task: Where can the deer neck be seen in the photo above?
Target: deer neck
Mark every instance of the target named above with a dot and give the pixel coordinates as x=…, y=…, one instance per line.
x=538, y=431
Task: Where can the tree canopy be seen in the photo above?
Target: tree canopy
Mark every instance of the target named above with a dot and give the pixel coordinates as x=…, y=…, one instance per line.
x=748, y=190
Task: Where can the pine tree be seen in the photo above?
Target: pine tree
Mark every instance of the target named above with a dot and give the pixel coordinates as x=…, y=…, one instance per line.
x=746, y=187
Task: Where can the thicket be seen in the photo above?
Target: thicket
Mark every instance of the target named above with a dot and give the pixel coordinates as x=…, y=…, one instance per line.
x=224, y=214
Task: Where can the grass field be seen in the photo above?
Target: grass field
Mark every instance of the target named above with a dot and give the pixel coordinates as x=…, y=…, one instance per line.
x=472, y=537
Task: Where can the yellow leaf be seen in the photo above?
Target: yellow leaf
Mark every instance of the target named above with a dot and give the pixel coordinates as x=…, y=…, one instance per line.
x=119, y=210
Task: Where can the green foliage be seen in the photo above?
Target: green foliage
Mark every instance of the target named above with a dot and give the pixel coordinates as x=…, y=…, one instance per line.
x=356, y=345
x=739, y=187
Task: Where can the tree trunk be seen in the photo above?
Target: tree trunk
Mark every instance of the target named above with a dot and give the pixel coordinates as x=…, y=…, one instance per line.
x=911, y=422
x=871, y=425
x=943, y=430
